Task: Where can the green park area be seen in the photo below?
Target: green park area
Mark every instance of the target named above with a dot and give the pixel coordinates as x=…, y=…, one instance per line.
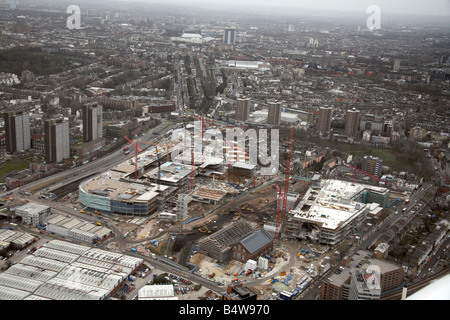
x=12, y=165
x=397, y=161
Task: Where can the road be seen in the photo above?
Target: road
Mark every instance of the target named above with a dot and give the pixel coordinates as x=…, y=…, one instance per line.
x=95, y=166
x=72, y=175
x=429, y=267
x=412, y=208
x=409, y=213
x=170, y=267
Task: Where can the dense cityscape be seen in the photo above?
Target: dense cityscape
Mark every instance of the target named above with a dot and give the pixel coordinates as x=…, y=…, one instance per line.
x=183, y=151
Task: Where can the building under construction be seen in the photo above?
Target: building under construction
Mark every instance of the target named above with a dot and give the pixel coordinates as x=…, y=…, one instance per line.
x=219, y=244
x=329, y=210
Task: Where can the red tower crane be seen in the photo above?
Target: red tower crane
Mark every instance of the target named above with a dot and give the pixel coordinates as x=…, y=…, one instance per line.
x=285, y=205
x=363, y=172
x=136, y=153
x=202, y=119
x=286, y=179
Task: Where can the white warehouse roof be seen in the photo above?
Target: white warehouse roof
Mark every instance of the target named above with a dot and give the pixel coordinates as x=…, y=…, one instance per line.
x=43, y=263
x=18, y=282
x=68, y=247
x=30, y=272
x=56, y=255
x=61, y=289
x=90, y=277
x=7, y=293
x=65, y=271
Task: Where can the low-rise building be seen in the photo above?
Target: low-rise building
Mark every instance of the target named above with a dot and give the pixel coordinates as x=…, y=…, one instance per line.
x=33, y=213
x=157, y=292
x=251, y=246
x=75, y=229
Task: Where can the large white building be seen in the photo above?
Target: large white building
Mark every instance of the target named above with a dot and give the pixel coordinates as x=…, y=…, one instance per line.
x=328, y=210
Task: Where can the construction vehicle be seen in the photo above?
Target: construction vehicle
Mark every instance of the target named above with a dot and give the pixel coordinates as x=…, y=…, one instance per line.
x=204, y=229
x=81, y=211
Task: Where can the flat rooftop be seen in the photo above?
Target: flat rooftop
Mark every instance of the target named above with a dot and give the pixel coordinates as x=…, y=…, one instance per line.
x=331, y=205
x=32, y=208
x=209, y=194
x=109, y=184
x=62, y=270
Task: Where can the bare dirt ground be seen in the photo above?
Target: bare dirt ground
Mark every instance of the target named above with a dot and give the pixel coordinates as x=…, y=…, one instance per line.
x=148, y=229
x=256, y=206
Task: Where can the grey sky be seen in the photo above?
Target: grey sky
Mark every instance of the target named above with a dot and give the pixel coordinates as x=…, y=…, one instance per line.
x=418, y=7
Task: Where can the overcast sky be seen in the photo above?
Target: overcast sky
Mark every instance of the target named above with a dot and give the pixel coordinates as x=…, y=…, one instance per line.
x=418, y=7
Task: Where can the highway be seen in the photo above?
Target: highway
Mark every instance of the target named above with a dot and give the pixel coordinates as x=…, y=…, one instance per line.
x=93, y=167
x=67, y=177
x=96, y=166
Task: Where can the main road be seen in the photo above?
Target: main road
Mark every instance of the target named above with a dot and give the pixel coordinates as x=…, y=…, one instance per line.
x=93, y=167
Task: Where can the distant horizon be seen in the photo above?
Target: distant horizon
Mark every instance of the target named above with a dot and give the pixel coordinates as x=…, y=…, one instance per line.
x=430, y=8
x=440, y=8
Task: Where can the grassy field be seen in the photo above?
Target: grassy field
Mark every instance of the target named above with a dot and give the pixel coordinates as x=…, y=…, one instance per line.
x=359, y=151
x=10, y=166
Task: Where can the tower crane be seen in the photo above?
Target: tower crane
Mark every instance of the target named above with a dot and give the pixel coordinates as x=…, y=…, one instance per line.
x=167, y=146
x=363, y=172
x=282, y=201
x=135, y=159
x=286, y=179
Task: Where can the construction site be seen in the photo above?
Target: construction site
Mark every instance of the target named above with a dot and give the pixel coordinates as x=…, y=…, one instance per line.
x=224, y=220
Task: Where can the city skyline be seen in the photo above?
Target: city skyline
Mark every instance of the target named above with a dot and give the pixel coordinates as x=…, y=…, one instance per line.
x=224, y=150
